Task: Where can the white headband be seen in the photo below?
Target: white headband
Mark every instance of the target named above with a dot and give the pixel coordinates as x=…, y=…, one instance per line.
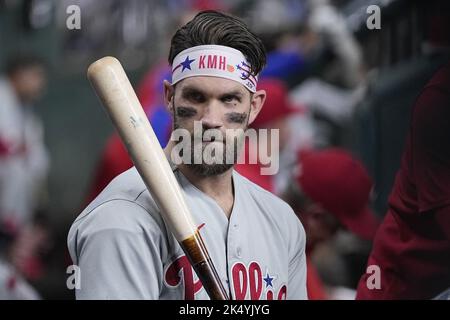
x=215, y=61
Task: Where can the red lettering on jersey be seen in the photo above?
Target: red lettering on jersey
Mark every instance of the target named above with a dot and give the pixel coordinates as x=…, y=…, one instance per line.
x=244, y=279
x=251, y=278
x=255, y=280
x=173, y=277
x=282, y=293
x=239, y=273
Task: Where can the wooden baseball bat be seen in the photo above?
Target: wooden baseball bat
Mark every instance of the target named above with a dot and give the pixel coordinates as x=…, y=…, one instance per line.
x=114, y=89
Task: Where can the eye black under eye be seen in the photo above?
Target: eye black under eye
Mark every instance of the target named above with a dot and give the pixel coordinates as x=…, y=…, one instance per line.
x=237, y=117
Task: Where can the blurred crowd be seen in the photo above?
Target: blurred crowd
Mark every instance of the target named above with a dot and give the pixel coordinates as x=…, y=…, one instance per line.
x=339, y=94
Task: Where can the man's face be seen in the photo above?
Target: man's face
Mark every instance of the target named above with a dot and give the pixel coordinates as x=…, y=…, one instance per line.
x=320, y=225
x=218, y=104
x=29, y=83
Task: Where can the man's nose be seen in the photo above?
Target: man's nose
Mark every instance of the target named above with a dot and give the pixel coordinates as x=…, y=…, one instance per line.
x=212, y=117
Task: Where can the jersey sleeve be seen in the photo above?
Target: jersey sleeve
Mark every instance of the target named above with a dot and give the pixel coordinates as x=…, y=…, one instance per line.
x=118, y=253
x=297, y=263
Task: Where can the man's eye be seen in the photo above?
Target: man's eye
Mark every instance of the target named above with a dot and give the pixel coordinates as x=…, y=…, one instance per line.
x=230, y=99
x=185, y=112
x=196, y=97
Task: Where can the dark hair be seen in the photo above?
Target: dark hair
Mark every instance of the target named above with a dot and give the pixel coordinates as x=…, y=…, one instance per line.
x=22, y=61
x=213, y=27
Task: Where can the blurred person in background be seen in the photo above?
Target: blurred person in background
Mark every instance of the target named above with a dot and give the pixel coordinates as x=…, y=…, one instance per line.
x=412, y=245
x=12, y=284
x=283, y=33
x=24, y=159
x=24, y=165
x=333, y=82
x=307, y=39
x=329, y=190
x=340, y=54
x=311, y=49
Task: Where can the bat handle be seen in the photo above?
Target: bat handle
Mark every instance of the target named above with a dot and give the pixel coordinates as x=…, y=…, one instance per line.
x=200, y=260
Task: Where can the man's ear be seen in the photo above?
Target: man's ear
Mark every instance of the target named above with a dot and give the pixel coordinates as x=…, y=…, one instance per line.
x=169, y=92
x=256, y=104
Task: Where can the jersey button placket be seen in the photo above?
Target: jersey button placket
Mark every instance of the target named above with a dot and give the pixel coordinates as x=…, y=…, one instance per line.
x=239, y=252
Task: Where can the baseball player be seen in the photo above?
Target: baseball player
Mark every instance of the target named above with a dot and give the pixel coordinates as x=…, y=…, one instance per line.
x=24, y=158
x=121, y=244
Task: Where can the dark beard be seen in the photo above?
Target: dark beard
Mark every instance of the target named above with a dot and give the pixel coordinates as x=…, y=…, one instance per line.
x=208, y=170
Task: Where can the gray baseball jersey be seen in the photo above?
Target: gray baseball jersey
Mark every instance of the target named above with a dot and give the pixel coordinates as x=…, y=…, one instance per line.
x=125, y=251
